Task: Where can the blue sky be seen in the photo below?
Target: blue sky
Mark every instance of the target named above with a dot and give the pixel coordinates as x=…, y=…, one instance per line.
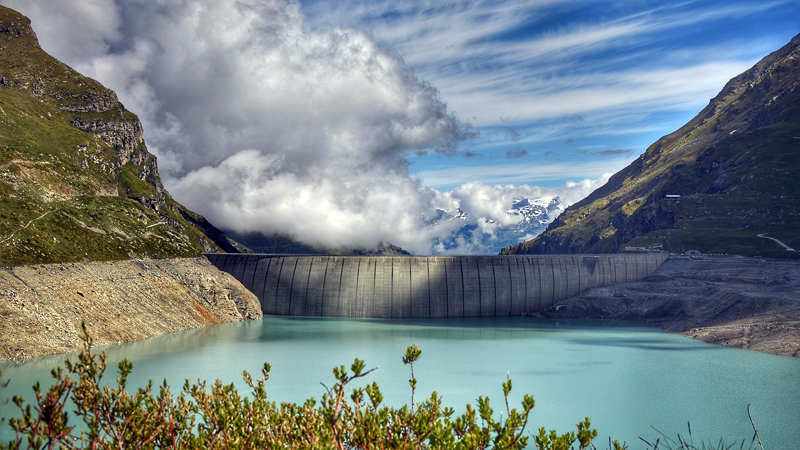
x=563, y=90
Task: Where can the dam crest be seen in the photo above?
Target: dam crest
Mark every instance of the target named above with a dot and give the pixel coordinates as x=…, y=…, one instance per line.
x=426, y=286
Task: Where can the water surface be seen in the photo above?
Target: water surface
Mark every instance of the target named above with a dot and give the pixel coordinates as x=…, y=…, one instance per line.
x=626, y=378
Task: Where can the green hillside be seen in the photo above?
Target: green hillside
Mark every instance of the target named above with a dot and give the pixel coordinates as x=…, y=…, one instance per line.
x=735, y=167
x=76, y=179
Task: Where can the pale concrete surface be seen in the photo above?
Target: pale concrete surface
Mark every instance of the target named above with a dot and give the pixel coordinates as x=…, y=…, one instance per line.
x=426, y=286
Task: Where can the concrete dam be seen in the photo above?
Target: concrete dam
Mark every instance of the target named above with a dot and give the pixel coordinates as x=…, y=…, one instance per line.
x=426, y=286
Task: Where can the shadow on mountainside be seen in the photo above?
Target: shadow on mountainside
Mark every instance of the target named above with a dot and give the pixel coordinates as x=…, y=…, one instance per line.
x=751, y=303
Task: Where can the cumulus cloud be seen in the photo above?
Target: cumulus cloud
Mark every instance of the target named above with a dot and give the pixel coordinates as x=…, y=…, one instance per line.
x=263, y=124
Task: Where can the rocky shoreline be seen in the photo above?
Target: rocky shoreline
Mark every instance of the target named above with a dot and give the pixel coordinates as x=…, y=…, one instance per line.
x=42, y=306
x=736, y=301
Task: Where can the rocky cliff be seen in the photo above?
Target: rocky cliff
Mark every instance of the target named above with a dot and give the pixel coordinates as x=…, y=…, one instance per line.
x=76, y=179
x=726, y=176
x=42, y=306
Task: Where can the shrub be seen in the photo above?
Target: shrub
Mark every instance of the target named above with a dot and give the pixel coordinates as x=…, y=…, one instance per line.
x=217, y=415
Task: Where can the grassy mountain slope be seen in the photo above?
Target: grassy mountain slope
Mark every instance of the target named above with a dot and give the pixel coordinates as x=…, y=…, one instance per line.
x=735, y=166
x=276, y=243
x=76, y=179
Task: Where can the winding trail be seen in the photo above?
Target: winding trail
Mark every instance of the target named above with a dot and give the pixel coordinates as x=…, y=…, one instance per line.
x=23, y=227
x=788, y=249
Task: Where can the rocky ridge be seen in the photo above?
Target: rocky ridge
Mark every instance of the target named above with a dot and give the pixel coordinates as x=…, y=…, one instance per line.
x=76, y=178
x=730, y=174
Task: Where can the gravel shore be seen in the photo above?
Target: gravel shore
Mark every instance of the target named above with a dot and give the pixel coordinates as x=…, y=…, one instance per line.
x=42, y=306
x=751, y=303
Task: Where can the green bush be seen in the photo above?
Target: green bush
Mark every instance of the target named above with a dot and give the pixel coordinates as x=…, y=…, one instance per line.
x=219, y=416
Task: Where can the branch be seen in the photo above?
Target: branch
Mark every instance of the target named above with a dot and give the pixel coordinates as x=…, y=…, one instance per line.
x=754, y=427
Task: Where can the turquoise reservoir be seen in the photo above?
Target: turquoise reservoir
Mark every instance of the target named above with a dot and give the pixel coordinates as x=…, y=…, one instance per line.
x=625, y=378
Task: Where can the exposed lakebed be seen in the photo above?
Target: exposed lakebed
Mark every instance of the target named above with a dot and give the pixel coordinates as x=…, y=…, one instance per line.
x=626, y=378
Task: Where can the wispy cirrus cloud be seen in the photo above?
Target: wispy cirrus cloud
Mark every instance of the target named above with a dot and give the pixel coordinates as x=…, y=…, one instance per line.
x=666, y=88
x=517, y=173
x=487, y=67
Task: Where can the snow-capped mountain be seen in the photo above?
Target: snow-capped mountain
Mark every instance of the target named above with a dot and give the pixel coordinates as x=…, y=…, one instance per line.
x=535, y=214
x=523, y=220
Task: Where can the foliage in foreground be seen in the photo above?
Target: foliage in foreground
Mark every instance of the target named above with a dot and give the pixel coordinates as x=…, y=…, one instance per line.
x=219, y=416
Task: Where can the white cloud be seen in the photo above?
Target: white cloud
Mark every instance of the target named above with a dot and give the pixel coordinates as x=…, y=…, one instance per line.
x=250, y=191
x=553, y=72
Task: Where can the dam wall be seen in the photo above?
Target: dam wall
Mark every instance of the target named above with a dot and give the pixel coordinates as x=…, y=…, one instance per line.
x=426, y=286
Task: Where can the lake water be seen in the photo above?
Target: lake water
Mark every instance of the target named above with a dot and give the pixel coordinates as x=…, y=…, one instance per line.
x=626, y=378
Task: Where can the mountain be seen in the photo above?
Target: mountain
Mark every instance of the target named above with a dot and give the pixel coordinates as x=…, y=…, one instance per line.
x=76, y=179
x=477, y=235
x=277, y=243
x=734, y=167
x=535, y=215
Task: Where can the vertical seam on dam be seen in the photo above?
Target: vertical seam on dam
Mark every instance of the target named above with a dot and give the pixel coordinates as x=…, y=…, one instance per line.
x=553, y=295
x=264, y=285
x=494, y=285
x=410, y=291
x=540, y=303
x=308, y=280
x=356, y=306
x=278, y=283
x=480, y=294
x=627, y=273
x=391, y=302
x=374, y=277
x=291, y=285
x=511, y=287
x=428, y=268
x=322, y=291
x=525, y=306
x=463, y=296
x=253, y=278
x=339, y=291
x=446, y=290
